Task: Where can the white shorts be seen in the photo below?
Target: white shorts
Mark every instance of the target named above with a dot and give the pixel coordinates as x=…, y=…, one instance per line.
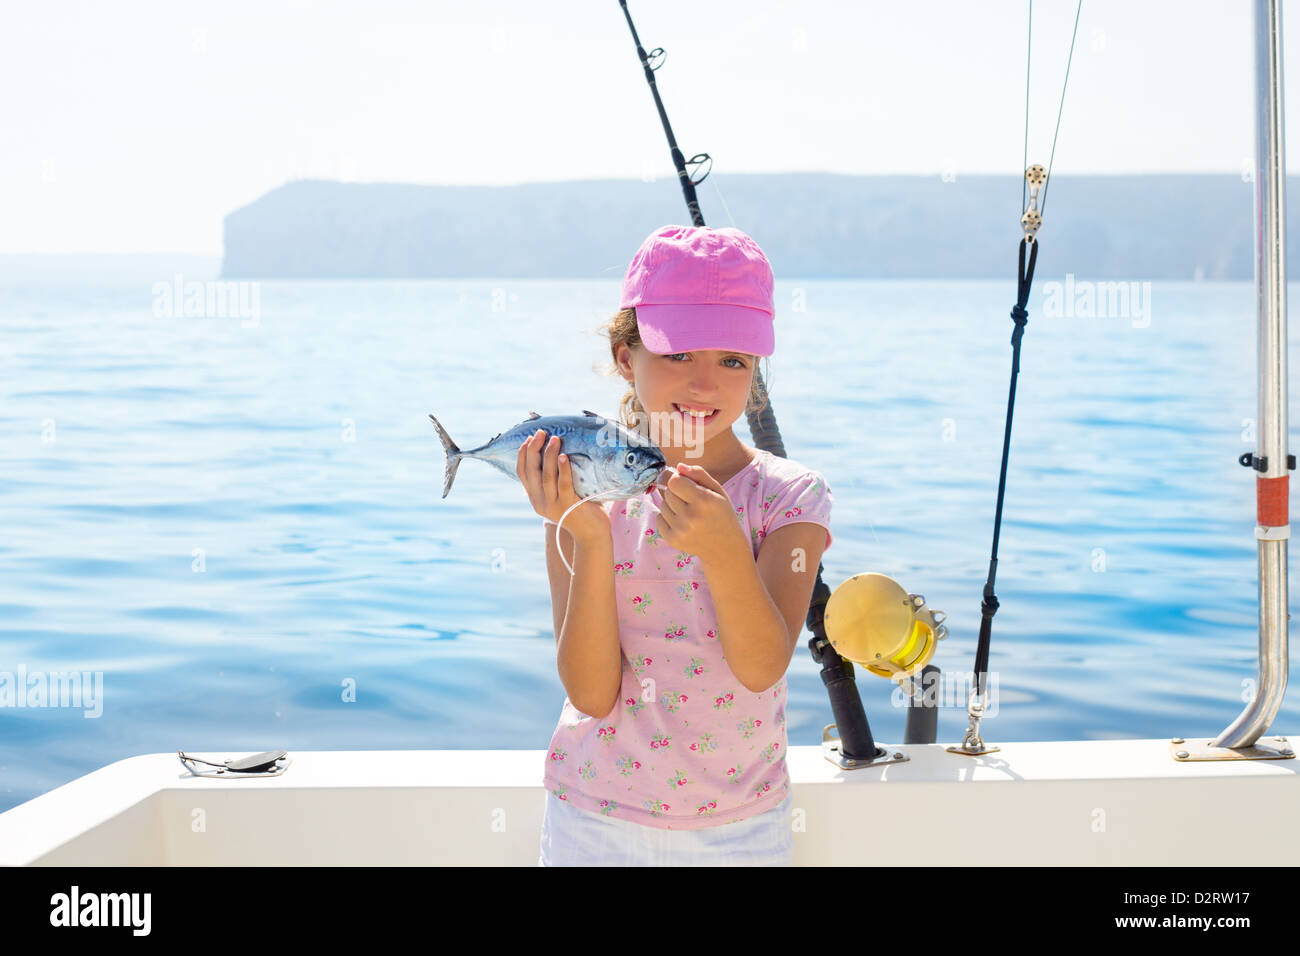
x=576, y=837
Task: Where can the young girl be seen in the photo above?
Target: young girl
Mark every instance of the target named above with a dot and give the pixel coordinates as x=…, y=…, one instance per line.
x=686, y=603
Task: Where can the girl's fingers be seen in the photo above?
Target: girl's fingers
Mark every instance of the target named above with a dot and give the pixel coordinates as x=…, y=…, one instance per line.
x=532, y=468
x=566, y=478
x=519, y=463
x=547, y=468
x=675, y=503
x=671, y=505
x=551, y=472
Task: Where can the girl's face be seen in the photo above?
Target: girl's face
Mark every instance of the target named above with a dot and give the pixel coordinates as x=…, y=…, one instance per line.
x=713, y=380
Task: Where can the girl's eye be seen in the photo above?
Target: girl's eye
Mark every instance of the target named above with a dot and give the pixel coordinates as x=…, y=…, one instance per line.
x=740, y=363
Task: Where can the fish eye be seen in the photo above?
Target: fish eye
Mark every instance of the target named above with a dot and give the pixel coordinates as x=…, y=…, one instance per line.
x=630, y=458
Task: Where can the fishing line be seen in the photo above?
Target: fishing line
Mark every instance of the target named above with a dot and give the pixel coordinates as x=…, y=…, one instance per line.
x=725, y=207
x=561, y=522
x=1059, y=109
x=1029, y=48
x=1077, y=10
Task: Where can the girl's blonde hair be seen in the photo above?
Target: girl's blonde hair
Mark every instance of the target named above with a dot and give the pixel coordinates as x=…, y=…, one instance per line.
x=622, y=330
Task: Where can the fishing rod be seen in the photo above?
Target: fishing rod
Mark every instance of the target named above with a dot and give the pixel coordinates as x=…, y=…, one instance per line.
x=856, y=747
x=657, y=55
x=1031, y=219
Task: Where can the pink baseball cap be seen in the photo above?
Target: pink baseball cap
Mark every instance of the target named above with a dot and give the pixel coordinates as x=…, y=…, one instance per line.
x=699, y=288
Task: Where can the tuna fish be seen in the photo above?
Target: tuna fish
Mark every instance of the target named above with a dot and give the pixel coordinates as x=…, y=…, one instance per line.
x=607, y=459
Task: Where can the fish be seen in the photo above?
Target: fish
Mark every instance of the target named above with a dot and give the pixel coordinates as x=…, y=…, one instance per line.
x=607, y=459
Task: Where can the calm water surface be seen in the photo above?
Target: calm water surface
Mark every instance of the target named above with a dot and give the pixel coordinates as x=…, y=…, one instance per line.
x=236, y=522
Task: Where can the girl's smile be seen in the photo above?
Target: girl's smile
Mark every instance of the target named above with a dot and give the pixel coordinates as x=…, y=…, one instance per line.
x=687, y=410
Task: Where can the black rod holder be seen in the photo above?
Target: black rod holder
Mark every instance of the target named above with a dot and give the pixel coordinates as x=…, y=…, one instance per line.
x=856, y=742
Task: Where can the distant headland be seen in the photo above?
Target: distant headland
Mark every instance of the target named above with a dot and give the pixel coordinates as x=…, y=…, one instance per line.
x=811, y=225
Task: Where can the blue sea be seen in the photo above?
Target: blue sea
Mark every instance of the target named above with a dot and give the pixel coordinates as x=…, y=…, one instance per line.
x=236, y=519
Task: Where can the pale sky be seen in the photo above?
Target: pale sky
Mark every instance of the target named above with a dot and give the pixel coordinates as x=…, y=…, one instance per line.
x=136, y=126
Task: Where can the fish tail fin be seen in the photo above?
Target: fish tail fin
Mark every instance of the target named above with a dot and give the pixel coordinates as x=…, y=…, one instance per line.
x=453, y=456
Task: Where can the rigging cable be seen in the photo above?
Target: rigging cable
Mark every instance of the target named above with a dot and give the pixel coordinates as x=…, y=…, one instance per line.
x=1031, y=219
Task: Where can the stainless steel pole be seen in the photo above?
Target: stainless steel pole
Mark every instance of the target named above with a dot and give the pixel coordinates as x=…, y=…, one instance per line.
x=1273, y=528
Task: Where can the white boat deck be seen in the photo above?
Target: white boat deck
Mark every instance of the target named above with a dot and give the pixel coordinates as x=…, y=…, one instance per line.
x=1109, y=803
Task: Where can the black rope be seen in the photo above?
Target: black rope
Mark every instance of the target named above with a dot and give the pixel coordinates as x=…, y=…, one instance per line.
x=1020, y=316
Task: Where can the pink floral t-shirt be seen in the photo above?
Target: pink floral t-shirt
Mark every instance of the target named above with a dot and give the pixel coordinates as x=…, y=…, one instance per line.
x=687, y=746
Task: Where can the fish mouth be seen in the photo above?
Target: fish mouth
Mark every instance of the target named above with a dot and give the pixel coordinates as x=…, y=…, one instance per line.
x=648, y=476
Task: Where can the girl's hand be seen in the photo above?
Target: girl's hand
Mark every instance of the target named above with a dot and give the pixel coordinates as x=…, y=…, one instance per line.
x=697, y=516
x=547, y=477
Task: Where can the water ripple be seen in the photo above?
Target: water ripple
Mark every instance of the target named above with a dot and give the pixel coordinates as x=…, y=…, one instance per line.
x=244, y=529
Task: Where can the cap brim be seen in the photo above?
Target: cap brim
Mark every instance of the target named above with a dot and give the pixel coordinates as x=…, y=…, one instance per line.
x=668, y=329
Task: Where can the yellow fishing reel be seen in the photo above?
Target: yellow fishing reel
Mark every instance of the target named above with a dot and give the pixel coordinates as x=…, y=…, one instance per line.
x=871, y=620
